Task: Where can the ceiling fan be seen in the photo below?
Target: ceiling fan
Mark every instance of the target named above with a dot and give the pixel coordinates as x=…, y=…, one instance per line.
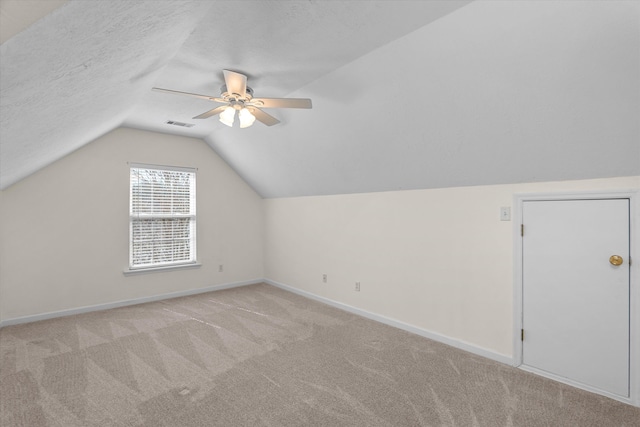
x=237, y=96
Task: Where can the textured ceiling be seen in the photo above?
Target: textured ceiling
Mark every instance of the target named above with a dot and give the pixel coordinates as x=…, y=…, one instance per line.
x=407, y=94
x=16, y=15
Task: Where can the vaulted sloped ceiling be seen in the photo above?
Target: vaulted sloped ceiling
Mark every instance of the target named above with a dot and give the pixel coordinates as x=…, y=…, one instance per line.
x=406, y=94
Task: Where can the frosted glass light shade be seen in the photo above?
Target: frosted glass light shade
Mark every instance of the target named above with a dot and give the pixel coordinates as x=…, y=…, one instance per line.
x=227, y=116
x=246, y=118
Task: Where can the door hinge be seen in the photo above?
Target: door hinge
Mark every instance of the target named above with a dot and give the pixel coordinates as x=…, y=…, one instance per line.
x=522, y=229
x=629, y=260
x=521, y=334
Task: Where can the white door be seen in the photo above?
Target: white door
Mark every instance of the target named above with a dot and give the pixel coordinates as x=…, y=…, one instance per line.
x=575, y=302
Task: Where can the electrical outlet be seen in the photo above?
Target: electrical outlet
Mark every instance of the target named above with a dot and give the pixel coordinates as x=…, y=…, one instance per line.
x=220, y=268
x=324, y=278
x=357, y=286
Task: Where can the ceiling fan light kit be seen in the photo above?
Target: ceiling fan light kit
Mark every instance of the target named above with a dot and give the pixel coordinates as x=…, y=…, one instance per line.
x=246, y=118
x=227, y=116
x=236, y=95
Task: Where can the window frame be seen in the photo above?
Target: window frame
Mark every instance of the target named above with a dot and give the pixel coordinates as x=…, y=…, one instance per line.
x=192, y=215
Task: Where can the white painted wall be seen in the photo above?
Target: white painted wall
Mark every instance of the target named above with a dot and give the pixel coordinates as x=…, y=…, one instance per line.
x=437, y=259
x=65, y=229
x=440, y=260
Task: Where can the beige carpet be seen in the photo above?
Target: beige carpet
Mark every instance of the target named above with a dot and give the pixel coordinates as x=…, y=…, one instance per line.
x=261, y=356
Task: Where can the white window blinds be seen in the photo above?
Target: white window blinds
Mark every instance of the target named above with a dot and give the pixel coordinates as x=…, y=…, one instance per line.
x=162, y=216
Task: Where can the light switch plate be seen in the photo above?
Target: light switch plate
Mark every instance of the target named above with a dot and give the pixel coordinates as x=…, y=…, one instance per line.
x=505, y=213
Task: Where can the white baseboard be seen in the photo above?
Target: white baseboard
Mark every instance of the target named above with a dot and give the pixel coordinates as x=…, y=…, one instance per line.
x=378, y=318
x=471, y=348
x=116, y=304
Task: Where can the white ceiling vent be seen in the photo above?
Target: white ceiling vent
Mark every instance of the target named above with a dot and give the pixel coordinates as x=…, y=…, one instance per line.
x=184, y=125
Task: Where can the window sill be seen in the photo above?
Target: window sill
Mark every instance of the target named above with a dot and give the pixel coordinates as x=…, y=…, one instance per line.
x=134, y=271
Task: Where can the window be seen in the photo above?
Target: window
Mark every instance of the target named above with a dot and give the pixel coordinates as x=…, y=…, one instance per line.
x=162, y=230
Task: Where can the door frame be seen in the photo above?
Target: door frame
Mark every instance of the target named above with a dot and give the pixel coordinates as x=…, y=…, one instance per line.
x=634, y=291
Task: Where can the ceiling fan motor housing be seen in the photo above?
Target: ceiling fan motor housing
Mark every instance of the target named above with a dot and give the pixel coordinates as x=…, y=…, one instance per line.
x=234, y=96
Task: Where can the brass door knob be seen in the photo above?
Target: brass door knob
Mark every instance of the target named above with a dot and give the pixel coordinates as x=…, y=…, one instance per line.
x=615, y=260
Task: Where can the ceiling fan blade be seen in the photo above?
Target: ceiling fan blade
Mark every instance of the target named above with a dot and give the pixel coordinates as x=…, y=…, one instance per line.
x=194, y=95
x=282, y=102
x=210, y=113
x=236, y=82
x=263, y=117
